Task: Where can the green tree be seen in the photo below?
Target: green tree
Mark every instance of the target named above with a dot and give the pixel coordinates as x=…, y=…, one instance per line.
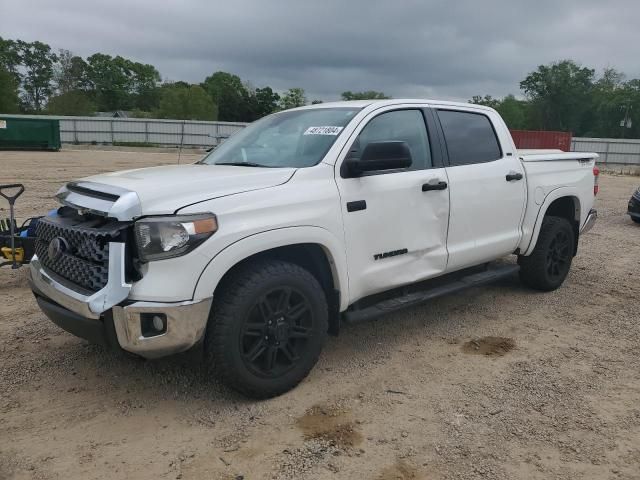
x=487, y=101
x=610, y=96
x=514, y=112
x=292, y=98
x=144, y=85
x=9, y=100
x=10, y=58
x=70, y=73
x=37, y=61
x=230, y=95
x=110, y=82
x=264, y=102
x=186, y=103
x=627, y=100
x=368, y=95
x=560, y=93
x=73, y=102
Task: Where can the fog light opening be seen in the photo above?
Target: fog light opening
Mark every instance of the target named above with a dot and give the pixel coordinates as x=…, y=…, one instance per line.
x=153, y=324
x=158, y=323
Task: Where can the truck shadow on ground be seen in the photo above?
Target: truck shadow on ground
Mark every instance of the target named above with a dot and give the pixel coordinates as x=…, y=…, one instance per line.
x=184, y=377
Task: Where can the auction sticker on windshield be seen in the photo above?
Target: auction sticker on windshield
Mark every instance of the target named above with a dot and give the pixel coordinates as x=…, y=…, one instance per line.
x=3, y=124
x=325, y=130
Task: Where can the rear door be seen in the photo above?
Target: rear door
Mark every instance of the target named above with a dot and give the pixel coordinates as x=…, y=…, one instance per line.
x=395, y=221
x=486, y=187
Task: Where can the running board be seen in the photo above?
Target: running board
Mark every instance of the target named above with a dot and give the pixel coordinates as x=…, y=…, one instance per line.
x=493, y=273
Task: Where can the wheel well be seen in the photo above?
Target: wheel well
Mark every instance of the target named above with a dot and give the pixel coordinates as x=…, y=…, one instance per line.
x=569, y=208
x=313, y=258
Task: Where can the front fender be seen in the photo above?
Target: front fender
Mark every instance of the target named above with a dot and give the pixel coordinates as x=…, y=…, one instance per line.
x=230, y=256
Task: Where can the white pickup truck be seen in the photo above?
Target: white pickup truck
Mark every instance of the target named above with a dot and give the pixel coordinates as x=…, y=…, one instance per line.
x=306, y=218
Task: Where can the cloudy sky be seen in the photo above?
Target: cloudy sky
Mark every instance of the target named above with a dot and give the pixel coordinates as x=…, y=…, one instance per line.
x=415, y=48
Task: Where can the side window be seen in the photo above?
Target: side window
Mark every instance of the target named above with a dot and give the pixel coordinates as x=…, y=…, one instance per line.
x=399, y=125
x=470, y=137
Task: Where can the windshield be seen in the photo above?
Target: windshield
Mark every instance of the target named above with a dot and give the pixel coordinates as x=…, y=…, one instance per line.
x=295, y=139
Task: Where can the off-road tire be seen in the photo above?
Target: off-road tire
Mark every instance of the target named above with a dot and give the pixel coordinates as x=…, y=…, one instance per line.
x=543, y=270
x=234, y=318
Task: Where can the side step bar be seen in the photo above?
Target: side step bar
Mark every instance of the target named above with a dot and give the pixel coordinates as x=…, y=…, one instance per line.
x=491, y=274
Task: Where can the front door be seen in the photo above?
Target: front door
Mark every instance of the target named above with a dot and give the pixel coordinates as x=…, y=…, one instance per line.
x=395, y=222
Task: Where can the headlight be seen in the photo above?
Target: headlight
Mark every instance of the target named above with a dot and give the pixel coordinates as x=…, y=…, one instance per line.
x=158, y=238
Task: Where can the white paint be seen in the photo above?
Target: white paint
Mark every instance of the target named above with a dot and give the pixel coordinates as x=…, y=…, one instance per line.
x=479, y=217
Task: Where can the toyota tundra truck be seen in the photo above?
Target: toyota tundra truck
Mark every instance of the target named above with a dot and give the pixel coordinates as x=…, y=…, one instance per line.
x=307, y=218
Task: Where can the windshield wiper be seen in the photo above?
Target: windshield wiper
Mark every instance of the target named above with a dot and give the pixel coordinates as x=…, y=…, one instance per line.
x=243, y=164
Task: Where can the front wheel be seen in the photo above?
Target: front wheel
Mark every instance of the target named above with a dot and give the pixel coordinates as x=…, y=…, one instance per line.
x=549, y=263
x=267, y=328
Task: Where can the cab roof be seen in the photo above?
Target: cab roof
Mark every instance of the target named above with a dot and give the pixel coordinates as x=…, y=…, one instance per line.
x=390, y=102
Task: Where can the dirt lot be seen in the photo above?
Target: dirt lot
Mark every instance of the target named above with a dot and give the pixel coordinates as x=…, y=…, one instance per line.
x=496, y=383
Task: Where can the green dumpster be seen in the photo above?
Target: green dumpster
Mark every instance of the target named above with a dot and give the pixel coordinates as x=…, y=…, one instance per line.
x=19, y=133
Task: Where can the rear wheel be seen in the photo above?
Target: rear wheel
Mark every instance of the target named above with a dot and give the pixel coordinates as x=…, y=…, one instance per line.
x=267, y=329
x=549, y=263
x=636, y=219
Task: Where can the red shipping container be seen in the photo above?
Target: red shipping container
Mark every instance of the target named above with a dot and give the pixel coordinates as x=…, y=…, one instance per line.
x=526, y=139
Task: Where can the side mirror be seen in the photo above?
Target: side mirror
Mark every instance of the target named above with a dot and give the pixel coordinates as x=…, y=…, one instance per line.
x=376, y=156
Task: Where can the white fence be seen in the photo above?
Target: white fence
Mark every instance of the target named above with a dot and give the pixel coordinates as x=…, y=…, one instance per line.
x=616, y=153
x=156, y=131
x=620, y=154
x=105, y=130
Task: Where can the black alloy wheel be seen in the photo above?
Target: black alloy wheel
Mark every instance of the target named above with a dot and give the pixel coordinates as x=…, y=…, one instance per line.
x=267, y=327
x=276, y=332
x=549, y=263
x=559, y=255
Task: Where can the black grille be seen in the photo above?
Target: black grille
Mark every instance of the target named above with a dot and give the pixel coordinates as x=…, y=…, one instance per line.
x=84, y=260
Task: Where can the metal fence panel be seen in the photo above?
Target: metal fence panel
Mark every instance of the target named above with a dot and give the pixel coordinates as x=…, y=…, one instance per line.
x=612, y=151
x=191, y=133
x=101, y=130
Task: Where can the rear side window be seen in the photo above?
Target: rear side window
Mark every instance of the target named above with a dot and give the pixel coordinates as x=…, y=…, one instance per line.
x=470, y=137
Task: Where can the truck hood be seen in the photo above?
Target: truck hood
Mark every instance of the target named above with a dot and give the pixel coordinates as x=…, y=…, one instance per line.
x=162, y=190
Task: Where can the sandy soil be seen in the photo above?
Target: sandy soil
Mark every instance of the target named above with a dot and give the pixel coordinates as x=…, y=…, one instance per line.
x=496, y=383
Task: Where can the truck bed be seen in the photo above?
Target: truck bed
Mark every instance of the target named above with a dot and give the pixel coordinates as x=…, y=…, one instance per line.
x=552, y=173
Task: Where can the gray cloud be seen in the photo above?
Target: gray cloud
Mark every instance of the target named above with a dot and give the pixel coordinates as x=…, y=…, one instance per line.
x=417, y=48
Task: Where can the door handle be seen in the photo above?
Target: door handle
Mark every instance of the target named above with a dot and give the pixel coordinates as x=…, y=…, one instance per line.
x=426, y=187
x=511, y=176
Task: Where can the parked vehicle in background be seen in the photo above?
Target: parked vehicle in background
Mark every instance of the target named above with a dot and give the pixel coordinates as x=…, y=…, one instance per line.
x=633, y=209
x=306, y=218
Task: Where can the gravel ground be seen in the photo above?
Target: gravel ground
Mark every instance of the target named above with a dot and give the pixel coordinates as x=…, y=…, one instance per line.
x=495, y=383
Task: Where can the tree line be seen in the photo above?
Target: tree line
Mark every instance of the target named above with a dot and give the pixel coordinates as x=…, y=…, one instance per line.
x=35, y=79
x=568, y=97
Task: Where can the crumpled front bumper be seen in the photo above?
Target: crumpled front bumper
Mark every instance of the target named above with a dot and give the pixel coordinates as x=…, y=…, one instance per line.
x=185, y=326
x=106, y=317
